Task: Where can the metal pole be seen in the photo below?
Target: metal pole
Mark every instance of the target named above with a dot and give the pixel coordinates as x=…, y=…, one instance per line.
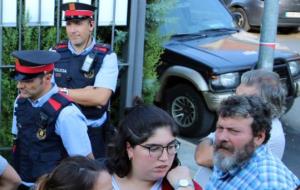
x=96, y=18
x=268, y=34
x=58, y=22
x=113, y=24
x=1, y=43
x=20, y=24
x=135, y=51
x=39, y=25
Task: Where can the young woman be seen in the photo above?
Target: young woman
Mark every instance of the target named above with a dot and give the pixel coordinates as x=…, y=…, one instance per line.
x=143, y=154
x=77, y=173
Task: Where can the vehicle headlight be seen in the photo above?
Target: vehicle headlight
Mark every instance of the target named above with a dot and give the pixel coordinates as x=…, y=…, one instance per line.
x=294, y=67
x=228, y=80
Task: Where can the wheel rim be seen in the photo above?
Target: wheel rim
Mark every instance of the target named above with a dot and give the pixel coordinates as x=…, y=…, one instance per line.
x=240, y=20
x=183, y=111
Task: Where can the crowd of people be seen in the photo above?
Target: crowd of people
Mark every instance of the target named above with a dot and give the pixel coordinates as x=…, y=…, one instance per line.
x=61, y=118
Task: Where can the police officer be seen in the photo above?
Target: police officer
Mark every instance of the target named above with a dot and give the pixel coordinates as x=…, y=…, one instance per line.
x=47, y=125
x=87, y=71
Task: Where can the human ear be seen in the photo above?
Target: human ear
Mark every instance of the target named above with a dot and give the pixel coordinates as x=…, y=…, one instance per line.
x=129, y=150
x=92, y=24
x=259, y=138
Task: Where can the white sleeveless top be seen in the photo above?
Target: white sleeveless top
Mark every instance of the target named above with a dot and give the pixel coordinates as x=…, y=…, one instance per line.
x=156, y=186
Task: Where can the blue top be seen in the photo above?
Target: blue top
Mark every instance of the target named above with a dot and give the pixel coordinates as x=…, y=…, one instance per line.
x=262, y=172
x=105, y=78
x=70, y=125
x=3, y=164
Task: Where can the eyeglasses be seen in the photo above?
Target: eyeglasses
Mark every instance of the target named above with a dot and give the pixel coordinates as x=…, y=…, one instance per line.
x=156, y=151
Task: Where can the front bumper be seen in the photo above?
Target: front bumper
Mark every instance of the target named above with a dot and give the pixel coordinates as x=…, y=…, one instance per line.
x=213, y=100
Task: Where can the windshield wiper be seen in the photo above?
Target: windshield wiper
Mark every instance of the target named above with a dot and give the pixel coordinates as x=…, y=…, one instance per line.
x=189, y=36
x=221, y=30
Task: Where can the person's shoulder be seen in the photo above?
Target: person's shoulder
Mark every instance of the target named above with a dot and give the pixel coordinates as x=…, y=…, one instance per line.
x=60, y=46
x=70, y=109
x=273, y=173
x=102, y=48
x=3, y=164
x=264, y=159
x=2, y=159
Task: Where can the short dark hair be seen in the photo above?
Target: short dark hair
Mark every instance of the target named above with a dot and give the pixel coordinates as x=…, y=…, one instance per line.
x=270, y=88
x=73, y=173
x=138, y=126
x=246, y=107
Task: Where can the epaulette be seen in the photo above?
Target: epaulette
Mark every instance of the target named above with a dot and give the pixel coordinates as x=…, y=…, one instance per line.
x=102, y=48
x=61, y=45
x=51, y=109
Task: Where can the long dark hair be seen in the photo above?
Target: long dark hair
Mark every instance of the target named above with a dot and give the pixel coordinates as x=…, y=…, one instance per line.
x=138, y=126
x=73, y=173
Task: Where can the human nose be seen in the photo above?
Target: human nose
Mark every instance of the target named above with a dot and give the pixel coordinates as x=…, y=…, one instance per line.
x=221, y=135
x=72, y=28
x=164, y=154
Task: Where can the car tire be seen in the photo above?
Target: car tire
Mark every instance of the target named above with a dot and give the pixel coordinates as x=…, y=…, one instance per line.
x=242, y=19
x=188, y=109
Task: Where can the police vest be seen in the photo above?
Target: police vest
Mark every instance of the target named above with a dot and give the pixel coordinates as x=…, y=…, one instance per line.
x=68, y=73
x=38, y=149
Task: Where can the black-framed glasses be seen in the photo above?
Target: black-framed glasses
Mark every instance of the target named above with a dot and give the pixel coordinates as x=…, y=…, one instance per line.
x=156, y=150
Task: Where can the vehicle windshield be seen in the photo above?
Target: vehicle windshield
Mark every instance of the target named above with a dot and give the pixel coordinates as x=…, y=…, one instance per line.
x=194, y=16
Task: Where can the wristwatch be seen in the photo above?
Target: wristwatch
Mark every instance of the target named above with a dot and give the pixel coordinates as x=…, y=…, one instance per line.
x=65, y=91
x=182, y=183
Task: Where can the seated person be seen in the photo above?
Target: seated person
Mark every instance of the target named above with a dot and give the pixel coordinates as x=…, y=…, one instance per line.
x=241, y=158
x=9, y=179
x=143, y=154
x=77, y=173
x=265, y=84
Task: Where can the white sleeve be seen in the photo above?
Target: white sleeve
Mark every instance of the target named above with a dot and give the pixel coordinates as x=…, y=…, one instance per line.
x=212, y=136
x=276, y=143
x=71, y=126
x=108, y=73
x=3, y=164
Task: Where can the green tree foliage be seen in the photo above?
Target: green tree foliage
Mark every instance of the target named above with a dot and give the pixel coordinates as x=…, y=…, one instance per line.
x=156, y=9
x=10, y=43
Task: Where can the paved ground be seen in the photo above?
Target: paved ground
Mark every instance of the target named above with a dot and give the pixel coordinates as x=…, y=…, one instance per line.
x=186, y=155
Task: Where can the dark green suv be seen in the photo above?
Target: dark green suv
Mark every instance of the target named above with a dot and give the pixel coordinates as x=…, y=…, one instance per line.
x=204, y=60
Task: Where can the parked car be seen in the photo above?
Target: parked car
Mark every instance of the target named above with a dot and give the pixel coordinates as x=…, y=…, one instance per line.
x=203, y=61
x=249, y=13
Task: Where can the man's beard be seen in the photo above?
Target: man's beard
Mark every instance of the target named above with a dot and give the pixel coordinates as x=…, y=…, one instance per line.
x=238, y=157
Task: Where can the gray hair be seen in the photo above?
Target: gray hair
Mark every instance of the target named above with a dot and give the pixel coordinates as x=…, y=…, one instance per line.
x=249, y=107
x=270, y=88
